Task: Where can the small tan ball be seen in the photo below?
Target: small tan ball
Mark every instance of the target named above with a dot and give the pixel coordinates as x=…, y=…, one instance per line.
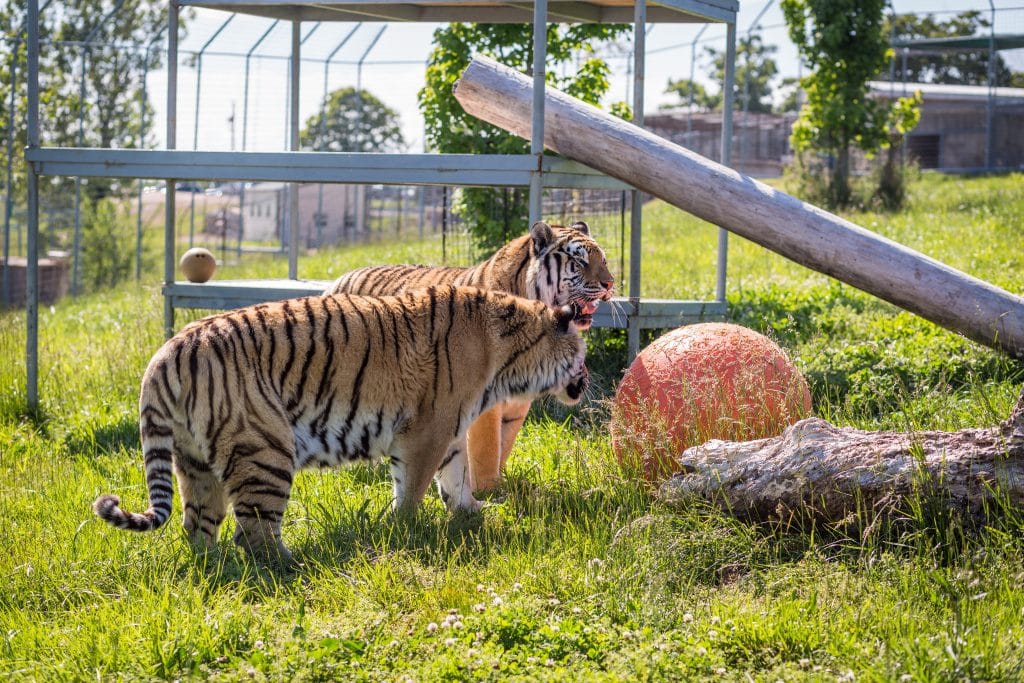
x=198, y=264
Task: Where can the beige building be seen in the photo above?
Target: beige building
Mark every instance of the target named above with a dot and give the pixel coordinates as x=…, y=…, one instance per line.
x=325, y=216
x=953, y=133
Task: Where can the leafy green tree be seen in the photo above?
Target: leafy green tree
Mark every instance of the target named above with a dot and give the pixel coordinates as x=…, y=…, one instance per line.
x=350, y=121
x=495, y=215
x=108, y=230
x=844, y=43
x=702, y=99
x=755, y=70
x=112, y=108
x=968, y=67
x=789, y=89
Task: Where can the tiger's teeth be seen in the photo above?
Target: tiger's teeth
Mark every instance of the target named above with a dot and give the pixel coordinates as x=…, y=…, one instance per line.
x=590, y=307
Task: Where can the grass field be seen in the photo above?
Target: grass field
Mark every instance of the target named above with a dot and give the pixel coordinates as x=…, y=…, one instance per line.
x=574, y=571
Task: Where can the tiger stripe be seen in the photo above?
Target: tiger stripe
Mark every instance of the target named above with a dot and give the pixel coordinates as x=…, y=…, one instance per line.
x=557, y=265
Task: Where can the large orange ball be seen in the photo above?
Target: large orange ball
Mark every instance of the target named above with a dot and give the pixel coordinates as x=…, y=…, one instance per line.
x=702, y=382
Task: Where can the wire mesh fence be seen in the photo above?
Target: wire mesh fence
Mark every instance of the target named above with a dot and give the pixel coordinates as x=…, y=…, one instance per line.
x=232, y=95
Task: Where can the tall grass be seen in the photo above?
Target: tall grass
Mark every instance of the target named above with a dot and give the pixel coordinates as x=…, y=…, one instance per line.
x=574, y=571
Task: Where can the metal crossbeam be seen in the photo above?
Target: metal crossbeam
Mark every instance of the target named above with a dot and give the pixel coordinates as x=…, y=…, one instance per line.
x=228, y=294
x=316, y=167
x=489, y=11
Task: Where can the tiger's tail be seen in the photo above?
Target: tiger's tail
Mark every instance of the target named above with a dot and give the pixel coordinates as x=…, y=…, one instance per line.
x=157, y=442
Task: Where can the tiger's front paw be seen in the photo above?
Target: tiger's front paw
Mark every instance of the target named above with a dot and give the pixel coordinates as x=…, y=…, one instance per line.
x=472, y=506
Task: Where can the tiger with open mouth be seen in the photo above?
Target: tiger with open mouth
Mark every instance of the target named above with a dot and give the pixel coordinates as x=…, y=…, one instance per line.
x=555, y=264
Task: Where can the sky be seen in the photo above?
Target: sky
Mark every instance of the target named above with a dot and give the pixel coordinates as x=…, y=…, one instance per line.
x=394, y=55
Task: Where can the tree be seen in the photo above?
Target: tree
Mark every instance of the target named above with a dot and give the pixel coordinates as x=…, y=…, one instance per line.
x=789, y=89
x=112, y=108
x=844, y=43
x=353, y=121
x=702, y=99
x=495, y=215
x=967, y=67
x=755, y=71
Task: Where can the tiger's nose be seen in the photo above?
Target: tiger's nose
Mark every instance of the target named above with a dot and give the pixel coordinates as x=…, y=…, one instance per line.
x=607, y=284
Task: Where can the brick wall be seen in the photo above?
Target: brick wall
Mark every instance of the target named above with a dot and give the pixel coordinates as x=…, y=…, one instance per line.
x=54, y=280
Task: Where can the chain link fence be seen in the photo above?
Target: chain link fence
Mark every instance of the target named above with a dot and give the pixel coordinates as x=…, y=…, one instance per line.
x=224, y=91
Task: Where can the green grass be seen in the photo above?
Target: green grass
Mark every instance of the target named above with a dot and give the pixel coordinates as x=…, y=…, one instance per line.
x=575, y=571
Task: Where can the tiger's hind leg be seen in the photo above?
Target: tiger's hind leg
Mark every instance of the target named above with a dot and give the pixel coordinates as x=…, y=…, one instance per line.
x=202, y=497
x=257, y=478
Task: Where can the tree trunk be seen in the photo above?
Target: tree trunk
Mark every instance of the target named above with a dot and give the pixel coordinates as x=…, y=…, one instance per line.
x=841, y=178
x=817, y=470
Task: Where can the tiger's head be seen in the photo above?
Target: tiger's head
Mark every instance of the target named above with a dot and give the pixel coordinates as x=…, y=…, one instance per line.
x=568, y=267
x=540, y=350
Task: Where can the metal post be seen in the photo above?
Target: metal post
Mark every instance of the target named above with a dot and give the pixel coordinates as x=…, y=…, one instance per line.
x=9, y=199
x=170, y=212
x=76, y=241
x=421, y=199
x=693, y=62
x=636, y=210
x=746, y=82
x=903, y=68
x=323, y=128
x=143, y=99
x=422, y=190
x=540, y=46
x=990, y=113
x=892, y=61
x=727, y=104
x=142, y=145
x=293, y=188
x=32, y=246
x=245, y=128
x=361, y=193
x=195, y=121
x=288, y=89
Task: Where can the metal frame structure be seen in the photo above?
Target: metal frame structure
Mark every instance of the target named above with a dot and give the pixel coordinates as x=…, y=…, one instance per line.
x=534, y=170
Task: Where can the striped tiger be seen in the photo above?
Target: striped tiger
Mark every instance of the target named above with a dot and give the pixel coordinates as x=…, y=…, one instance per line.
x=555, y=264
x=237, y=402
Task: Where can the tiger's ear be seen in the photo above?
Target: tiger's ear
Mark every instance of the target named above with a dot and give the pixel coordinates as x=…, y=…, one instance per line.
x=542, y=236
x=564, y=317
x=581, y=226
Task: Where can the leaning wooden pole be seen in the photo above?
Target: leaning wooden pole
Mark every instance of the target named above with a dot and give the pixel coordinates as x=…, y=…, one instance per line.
x=797, y=230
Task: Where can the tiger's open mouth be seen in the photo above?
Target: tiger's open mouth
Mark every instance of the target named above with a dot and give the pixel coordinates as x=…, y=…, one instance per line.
x=585, y=309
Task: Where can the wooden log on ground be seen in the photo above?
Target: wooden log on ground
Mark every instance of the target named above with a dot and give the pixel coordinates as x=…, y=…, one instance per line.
x=797, y=230
x=818, y=470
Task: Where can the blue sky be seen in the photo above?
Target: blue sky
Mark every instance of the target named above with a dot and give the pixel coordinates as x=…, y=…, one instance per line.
x=406, y=47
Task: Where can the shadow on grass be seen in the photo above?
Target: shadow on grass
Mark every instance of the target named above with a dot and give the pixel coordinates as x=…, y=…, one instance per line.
x=667, y=548
x=104, y=436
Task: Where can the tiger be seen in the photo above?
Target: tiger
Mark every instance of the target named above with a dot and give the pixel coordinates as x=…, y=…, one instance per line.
x=236, y=403
x=554, y=264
